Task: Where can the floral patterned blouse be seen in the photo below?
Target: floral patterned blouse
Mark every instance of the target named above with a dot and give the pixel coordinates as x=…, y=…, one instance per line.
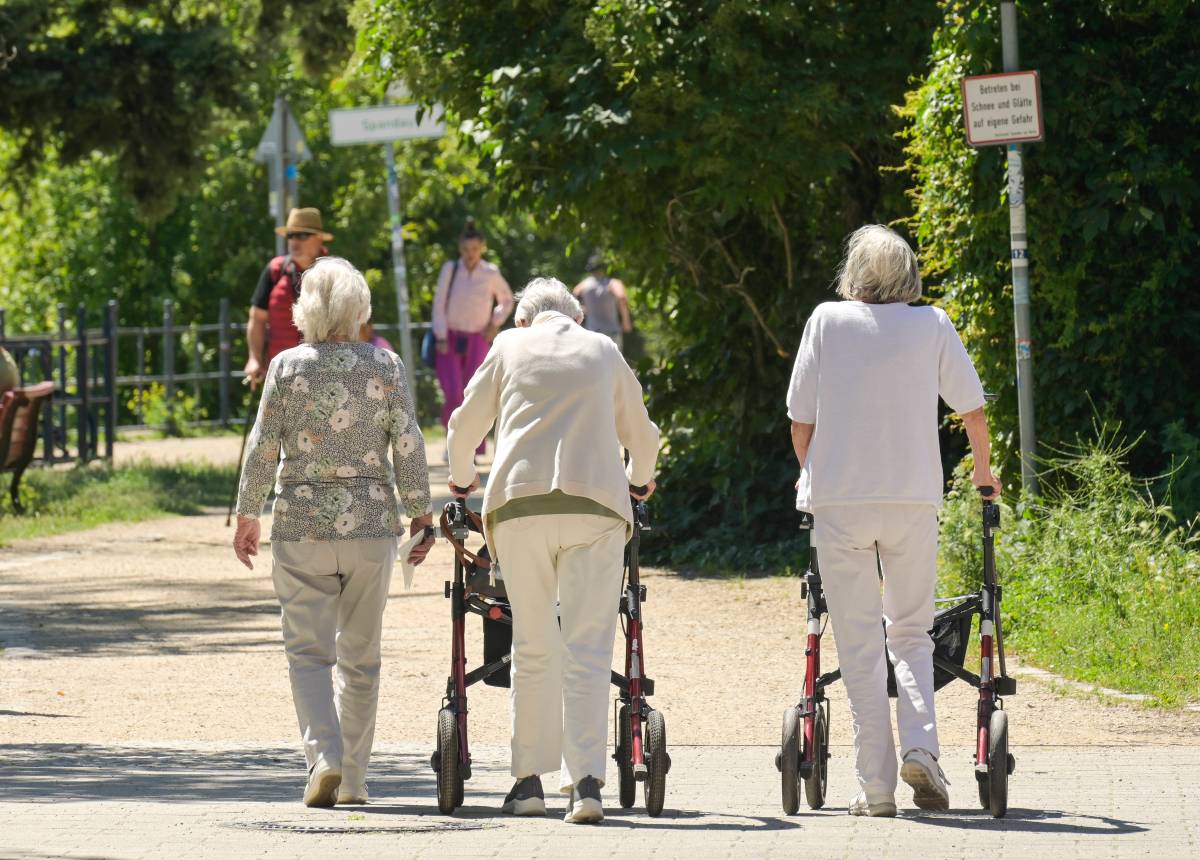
x=333, y=410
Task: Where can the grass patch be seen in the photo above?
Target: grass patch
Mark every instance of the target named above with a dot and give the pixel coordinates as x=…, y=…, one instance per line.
x=1101, y=583
x=58, y=501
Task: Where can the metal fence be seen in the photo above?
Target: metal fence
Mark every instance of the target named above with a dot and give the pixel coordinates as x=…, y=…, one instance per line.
x=127, y=378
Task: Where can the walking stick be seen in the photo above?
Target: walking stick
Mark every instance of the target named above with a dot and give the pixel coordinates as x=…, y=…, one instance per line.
x=241, y=454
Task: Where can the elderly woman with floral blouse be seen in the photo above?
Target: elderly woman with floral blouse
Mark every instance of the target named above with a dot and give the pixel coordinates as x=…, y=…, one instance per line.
x=332, y=409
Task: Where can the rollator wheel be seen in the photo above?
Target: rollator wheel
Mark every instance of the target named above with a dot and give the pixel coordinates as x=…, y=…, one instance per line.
x=997, y=780
x=657, y=762
x=449, y=774
x=625, y=778
x=789, y=760
x=817, y=783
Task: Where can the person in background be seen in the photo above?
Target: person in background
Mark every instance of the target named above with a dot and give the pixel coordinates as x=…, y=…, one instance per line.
x=864, y=407
x=367, y=335
x=557, y=515
x=270, y=330
x=605, y=303
x=470, y=305
x=334, y=411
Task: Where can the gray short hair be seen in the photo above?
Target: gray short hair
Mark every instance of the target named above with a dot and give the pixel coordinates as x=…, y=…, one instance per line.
x=334, y=301
x=546, y=294
x=879, y=268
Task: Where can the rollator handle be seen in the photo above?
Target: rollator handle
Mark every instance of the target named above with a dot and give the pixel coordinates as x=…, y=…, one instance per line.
x=986, y=492
x=641, y=491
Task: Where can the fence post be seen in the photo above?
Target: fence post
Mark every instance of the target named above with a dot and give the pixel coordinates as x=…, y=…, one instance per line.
x=223, y=357
x=141, y=374
x=48, y=412
x=110, y=378
x=82, y=384
x=62, y=372
x=3, y=322
x=197, y=362
x=169, y=361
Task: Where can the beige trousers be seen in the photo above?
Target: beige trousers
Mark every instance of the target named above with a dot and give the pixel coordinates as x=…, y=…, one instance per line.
x=560, y=674
x=846, y=538
x=332, y=594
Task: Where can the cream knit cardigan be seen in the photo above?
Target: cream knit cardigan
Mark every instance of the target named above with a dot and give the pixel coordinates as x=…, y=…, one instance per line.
x=564, y=403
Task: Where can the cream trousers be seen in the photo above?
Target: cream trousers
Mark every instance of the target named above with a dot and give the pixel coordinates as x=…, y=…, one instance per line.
x=560, y=674
x=846, y=538
x=333, y=594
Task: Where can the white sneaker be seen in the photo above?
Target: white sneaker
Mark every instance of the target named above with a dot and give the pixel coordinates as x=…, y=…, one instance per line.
x=322, y=788
x=585, y=806
x=924, y=774
x=352, y=797
x=879, y=809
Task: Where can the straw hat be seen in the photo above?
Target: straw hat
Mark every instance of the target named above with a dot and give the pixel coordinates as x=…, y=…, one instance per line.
x=306, y=220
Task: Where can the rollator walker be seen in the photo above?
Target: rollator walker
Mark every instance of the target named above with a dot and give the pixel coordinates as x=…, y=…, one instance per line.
x=804, y=754
x=640, y=732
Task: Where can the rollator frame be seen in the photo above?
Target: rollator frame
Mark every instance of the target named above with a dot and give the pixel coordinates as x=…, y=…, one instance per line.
x=642, y=759
x=804, y=753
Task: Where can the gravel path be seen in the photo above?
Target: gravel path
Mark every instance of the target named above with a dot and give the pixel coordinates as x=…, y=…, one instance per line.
x=152, y=637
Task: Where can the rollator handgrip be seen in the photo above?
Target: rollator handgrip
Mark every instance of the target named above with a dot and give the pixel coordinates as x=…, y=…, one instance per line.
x=640, y=491
x=986, y=492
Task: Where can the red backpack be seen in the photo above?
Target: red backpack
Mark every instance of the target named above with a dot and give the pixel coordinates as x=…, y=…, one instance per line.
x=281, y=331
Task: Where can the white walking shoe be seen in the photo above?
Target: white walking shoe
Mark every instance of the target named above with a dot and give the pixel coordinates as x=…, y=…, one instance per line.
x=878, y=809
x=924, y=774
x=585, y=807
x=348, y=796
x=322, y=788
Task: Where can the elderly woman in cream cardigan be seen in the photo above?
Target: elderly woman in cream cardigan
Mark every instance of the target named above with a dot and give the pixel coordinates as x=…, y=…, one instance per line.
x=557, y=514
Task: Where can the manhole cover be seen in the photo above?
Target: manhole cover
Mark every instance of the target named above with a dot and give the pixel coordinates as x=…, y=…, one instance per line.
x=357, y=828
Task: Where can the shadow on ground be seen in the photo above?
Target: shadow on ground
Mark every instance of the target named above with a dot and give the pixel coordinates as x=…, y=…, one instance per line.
x=50, y=773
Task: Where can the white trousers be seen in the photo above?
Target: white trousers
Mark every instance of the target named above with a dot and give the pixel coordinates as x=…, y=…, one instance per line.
x=560, y=676
x=333, y=594
x=846, y=538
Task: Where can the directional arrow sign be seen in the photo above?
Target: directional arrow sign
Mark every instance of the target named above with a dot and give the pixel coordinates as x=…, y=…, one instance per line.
x=383, y=123
x=294, y=142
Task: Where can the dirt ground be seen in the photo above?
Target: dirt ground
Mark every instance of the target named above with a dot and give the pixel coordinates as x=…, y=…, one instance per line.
x=153, y=631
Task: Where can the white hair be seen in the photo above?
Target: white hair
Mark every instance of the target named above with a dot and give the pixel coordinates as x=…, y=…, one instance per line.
x=334, y=301
x=879, y=268
x=546, y=294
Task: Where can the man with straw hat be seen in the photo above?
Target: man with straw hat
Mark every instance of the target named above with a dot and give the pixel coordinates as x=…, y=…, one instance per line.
x=270, y=329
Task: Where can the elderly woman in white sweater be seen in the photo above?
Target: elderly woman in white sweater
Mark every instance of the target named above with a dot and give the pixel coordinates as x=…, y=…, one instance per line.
x=557, y=512
x=864, y=407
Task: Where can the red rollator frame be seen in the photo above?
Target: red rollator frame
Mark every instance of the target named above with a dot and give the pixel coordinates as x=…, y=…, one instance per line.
x=641, y=734
x=804, y=752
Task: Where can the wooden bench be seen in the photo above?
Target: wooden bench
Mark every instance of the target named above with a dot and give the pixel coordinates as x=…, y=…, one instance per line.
x=20, y=409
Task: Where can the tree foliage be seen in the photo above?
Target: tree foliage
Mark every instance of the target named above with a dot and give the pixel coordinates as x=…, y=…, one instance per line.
x=722, y=149
x=1113, y=204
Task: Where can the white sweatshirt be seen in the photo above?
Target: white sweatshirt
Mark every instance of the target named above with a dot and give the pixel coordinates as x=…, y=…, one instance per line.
x=564, y=403
x=869, y=378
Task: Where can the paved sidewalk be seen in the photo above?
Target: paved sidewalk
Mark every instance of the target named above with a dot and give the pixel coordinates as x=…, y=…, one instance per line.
x=183, y=801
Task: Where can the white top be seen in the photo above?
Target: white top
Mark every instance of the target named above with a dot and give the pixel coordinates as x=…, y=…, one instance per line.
x=564, y=403
x=869, y=378
x=480, y=297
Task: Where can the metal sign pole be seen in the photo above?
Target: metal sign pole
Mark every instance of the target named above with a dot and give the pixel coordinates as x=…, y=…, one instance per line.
x=400, y=269
x=279, y=173
x=1019, y=249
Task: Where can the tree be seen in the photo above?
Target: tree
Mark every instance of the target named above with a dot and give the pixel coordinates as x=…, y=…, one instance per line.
x=1114, y=204
x=722, y=149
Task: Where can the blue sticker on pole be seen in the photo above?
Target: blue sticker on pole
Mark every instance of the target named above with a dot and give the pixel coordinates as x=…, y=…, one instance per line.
x=1024, y=349
x=291, y=171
